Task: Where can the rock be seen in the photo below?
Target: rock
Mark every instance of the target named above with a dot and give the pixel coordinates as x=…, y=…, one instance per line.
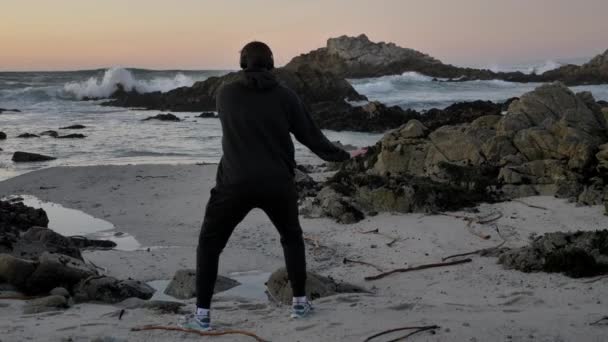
x=305, y=185
x=163, y=117
x=317, y=286
x=60, y=291
x=25, y=157
x=2, y=136
x=338, y=206
x=74, y=127
x=183, y=284
x=53, y=134
x=9, y=110
x=28, y=135
x=159, y=306
x=206, y=115
x=72, y=136
x=111, y=290
x=44, y=304
x=57, y=270
x=20, y=217
x=413, y=129
x=15, y=271
x=38, y=240
x=578, y=254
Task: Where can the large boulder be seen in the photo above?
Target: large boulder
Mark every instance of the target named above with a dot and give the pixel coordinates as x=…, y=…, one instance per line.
x=25, y=157
x=110, y=290
x=183, y=284
x=57, y=270
x=2, y=136
x=317, y=286
x=15, y=271
x=578, y=254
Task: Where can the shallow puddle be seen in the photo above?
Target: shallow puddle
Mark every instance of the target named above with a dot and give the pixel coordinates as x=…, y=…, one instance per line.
x=253, y=286
x=71, y=222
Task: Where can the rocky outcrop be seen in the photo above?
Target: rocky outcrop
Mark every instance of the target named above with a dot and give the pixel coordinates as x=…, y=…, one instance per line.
x=578, y=254
x=53, y=134
x=183, y=284
x=2, y=110
x=593, y=72
x=110, y=290
x=163, y=117
x=28, y=135
x=2, y=136
x=71, y=136
x=317, y=286
x=550, y=141
x=26, y=157
x=206, y=115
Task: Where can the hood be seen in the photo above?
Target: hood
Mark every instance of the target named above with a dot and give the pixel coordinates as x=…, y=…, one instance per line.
x=258, y=79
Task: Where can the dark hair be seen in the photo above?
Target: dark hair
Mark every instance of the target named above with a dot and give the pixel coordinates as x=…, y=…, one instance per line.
x=256, y=55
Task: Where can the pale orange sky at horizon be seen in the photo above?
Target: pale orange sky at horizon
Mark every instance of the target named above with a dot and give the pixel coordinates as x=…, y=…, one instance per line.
x=198, y=34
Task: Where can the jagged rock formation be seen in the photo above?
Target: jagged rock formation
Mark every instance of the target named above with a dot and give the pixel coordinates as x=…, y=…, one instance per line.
x=551, y=141
x=358, y=57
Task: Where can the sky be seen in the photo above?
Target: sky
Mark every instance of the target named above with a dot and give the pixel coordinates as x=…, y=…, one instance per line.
x=204, y=34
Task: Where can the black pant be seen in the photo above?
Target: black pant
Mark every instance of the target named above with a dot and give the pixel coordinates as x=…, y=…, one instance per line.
x=226, y=208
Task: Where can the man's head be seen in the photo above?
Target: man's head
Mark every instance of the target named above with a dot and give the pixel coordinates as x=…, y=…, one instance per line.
x=256, y=55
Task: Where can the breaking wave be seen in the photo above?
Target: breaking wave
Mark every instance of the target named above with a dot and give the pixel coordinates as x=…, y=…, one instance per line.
x=104, y=86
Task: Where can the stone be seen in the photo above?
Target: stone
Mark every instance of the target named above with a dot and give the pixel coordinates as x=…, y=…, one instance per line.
x=60, y=291
x=2, y=136
x=24, y=157
x=159, y=306
x=57, y=270
x=44, y=304
x=15, y=271
x=111, y=290
x=576, y=254
x=206, y=115
x=74, y=127
x=163, y=117
x=413, y=129
x=317, y=286
x=183, y=284
x=51, y=241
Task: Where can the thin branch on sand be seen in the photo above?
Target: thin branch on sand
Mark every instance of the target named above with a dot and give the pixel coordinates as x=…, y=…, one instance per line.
x=595, y=279
x=529, y=205
x=417, y=268
x=416, y=330
x=478, y=220
x=480, y=251
x=201, y=333
x=599, y=321
x=347, y=260
x=377, y=231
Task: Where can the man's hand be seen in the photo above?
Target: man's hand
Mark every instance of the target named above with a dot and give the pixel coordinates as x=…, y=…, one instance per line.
x=358, y=152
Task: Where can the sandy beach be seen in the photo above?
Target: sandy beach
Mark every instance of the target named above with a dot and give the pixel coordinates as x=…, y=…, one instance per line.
x=162, y=207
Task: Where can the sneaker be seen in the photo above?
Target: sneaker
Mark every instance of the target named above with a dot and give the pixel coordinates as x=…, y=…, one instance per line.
x=197, y=322
x=301, y=310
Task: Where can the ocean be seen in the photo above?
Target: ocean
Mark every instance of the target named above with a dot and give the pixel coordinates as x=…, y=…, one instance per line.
x=50, y=100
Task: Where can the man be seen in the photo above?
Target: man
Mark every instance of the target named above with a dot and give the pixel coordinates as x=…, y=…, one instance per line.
x=257, y=171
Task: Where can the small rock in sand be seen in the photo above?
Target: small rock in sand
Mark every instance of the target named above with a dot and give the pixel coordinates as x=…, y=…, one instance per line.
x=28, y=135
x=111, y=290
x=72, y=136
x=44, y=304
x=24, y=157
x=163, y=117
x=183, y=284
x=74, y=127
x=2, y=135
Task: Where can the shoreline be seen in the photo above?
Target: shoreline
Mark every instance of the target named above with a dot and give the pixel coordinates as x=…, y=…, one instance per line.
x=163, y=205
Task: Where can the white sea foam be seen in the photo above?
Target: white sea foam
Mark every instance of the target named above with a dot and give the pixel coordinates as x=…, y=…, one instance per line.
x=96, y=87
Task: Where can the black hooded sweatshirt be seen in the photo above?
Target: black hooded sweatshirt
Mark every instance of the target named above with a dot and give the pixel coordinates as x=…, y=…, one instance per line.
x=257, y=116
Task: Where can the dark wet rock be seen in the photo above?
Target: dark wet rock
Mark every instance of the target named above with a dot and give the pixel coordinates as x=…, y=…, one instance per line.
x=578, y=254
x=44, y=304
x=18, y=216
x=26, y=157
x=317, y=286
x=38, y=240
x=28, y=135
x=159, y=306
x=74, y=127
x=305, y=185
x=111, y=290
x=183, y=284
x=57, y=270
x=358, y=57
x=206, y=115
x=53, y=134
x=72, y=136
x=15, y=271
x=163, y=117
x=2, y=110
x=2, y=136
x=371, y=117
x=334, y=202
x=86, y=243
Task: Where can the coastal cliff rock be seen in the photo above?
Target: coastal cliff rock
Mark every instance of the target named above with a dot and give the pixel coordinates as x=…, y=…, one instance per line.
x=358, y=57
x=551, y=141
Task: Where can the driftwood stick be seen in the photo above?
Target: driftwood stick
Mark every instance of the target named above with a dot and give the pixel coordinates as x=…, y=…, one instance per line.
x=529, y=205
x=417, y=268
x=414, y=332
x=373, y=231
x=479, y=251
x=201, y=333
x=400, y=329
x=599, y=320
x=347, y=260
x=595, y=279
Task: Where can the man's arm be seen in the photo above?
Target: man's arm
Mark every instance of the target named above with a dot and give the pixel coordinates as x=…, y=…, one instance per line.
x=308, y=133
